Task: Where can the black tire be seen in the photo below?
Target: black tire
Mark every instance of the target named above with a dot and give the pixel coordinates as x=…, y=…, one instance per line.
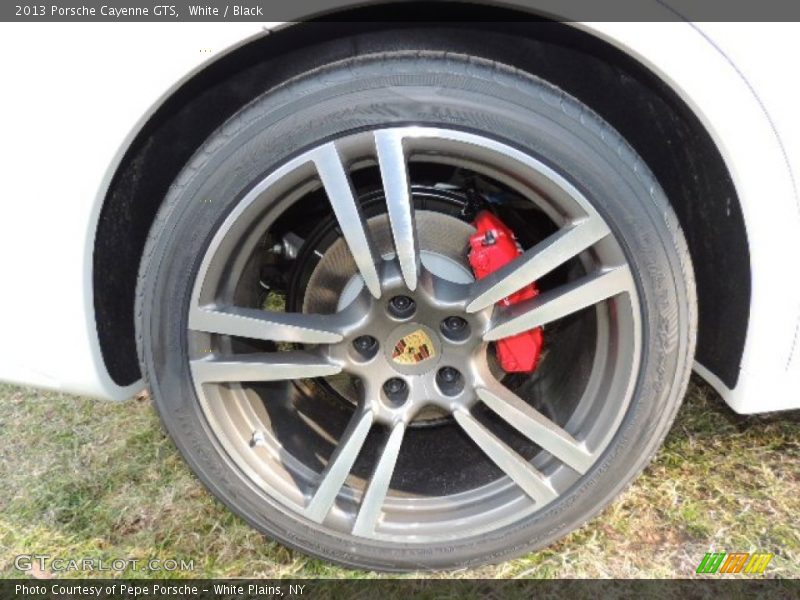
x=434, y=89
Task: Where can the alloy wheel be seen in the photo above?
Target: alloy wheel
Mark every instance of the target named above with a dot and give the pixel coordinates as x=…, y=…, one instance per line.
x=313, y=459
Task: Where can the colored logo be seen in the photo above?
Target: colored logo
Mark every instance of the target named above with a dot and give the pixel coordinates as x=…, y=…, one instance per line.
x=734, y=562
x=413, y=348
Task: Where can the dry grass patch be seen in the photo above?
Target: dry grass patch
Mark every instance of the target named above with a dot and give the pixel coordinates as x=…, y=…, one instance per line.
x=84, y=478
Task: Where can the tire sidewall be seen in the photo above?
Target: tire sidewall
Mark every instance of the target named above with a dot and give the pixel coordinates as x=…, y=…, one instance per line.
x=434, y=90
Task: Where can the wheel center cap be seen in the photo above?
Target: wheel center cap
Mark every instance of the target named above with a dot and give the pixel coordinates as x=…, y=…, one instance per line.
x=413, y=349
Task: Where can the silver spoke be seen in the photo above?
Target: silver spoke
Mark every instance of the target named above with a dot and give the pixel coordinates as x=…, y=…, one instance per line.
x=512, y=464
x=342, y=461
x=378, y=487
x=392, y=162
x=265, y=325
x=560, y=302
x=348, y=214
x=271, y=366
x=536, y=262
x=536, y=427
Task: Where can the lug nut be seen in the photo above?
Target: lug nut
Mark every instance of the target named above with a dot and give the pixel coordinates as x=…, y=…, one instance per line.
x=448, y=374
x=395, y=385
x=366, y=345
x=402, y=306
x=450, y=381
x=396, y=390
x=455, y=323
x=455, y=328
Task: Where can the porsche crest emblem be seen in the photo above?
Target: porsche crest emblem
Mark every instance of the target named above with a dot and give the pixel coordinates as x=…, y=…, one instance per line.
x=413, y=348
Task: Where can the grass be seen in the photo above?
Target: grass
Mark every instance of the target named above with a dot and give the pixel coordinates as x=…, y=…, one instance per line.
x=84, y=478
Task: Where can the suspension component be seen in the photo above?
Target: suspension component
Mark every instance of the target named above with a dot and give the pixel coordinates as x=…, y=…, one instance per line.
x=492, y=247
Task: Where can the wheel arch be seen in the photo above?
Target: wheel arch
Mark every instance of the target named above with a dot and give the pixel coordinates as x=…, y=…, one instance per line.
x=595, y=64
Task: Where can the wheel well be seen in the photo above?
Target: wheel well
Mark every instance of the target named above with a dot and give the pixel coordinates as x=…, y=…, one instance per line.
x=658, y=124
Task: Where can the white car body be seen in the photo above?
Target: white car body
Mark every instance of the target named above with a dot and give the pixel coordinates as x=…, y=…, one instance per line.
x=70, y=112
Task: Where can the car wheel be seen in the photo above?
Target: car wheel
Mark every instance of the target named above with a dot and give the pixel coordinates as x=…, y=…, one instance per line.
x=329, y=358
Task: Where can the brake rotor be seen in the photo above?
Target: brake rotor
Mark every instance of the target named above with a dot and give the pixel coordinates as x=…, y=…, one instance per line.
x=334, y=282
x=443, y=242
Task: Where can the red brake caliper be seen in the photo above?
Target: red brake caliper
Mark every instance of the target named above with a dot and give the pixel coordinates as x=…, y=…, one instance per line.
x=493, y=246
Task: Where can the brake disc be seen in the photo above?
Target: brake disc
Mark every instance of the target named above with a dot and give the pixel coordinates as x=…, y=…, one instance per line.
x=443, y=241
x=335, y=282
